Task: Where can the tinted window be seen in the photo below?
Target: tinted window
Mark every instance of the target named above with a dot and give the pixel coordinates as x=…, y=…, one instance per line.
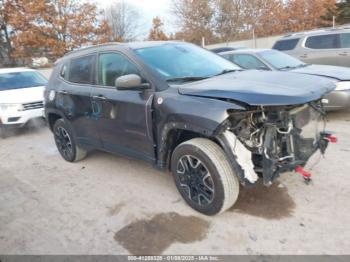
x=111, y=66
x=284, y=45
x=280, y=60
x=322, y=41
x=184, y=60
x=248, y=61
x=345, y=40
x=81, y=70
x=21, y=80
x=63, y=72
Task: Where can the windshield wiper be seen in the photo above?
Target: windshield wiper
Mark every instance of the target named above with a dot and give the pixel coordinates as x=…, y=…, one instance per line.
x=293, y=67
x=197, y=78
x=226, y=71
x=186, y=78
x=302, y=65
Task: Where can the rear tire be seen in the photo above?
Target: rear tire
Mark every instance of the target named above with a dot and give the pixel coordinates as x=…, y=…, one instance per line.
x=204, y=176
x=66, y=143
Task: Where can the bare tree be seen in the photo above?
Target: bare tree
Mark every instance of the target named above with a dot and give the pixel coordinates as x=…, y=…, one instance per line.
x=229, y=19
x=5, y=35
x=156, y=33
x=123, y=19
x=195, y=19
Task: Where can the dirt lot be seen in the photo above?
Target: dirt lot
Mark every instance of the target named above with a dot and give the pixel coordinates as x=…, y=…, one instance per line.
x=111, y=205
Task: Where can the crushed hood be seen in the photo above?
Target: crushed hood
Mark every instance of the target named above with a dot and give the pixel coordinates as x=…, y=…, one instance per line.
x=254, y=87
x=335, y=72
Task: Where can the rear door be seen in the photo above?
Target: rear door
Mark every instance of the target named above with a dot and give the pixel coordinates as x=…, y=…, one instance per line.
x=74, y=97
x=321, y=49
x=344, y=51
x=124, y=117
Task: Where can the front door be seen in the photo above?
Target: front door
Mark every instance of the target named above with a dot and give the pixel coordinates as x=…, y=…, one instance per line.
x=123, y=117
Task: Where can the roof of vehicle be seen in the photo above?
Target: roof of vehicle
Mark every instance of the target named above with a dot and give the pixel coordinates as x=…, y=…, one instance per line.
x=246, y=51
x=321, y=31
x=222, y=49
x=131, y=45
x=15, y=70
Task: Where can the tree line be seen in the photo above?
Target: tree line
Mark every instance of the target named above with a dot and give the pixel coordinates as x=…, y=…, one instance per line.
x=228, y=20
x=34, y=28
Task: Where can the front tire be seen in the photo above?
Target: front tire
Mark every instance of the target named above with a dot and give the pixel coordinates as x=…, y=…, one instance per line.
x=204, y=176
x=65, y=142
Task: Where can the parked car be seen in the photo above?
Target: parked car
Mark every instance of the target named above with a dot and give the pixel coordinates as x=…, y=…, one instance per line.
x=273, y=60
x=326, y=47
x=21, y=96
x=183, y=108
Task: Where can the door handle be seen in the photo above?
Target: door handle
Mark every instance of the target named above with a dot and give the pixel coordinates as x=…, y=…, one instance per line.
x=99, y=97
x=303, y=56
x=343, y=54
x=63, y=92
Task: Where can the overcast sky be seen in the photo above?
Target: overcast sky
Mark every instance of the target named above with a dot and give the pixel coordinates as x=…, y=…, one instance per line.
x=149, y=9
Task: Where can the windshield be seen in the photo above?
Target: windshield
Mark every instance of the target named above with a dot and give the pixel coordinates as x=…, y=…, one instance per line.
x=176, y=61
x=281, y=60
x=18, y=80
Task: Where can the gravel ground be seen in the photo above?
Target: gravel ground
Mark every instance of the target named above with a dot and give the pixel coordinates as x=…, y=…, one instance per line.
x=107, y=204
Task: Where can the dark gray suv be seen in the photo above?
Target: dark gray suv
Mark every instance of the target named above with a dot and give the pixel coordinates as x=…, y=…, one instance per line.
x=326, y=46
x=185, y=109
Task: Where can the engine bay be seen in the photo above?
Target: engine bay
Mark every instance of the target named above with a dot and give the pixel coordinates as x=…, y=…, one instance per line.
x=280, y=139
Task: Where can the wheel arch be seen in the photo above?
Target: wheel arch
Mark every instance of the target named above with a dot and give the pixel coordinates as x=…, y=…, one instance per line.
x=52, y=117
x=174, y=134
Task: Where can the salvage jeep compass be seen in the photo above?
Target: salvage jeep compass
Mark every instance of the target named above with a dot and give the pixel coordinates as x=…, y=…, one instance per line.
x=188, y=110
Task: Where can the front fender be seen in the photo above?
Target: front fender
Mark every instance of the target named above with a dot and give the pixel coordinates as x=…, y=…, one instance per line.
x=180, y=112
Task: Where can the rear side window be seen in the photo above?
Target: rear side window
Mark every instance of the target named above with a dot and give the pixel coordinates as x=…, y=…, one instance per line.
x=113, y=65
x=345, y=40
x=285, y=45
x=322, y=41
x=63, y=72
x=81, y=70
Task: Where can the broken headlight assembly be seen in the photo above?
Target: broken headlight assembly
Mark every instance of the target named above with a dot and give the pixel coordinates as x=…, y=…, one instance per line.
x=280, y=139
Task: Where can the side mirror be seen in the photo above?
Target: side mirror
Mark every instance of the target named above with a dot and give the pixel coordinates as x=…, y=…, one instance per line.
x=130, y=82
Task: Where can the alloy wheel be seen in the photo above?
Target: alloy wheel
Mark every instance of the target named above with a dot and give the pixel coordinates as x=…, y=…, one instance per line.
x=195, y=180
x=64, y=142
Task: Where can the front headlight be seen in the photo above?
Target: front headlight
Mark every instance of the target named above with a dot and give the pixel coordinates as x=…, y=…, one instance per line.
x=343, y=85
x=11, y=107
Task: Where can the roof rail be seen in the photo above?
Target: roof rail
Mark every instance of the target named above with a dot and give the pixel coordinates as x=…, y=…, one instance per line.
x=318, y=30
x=91, y=46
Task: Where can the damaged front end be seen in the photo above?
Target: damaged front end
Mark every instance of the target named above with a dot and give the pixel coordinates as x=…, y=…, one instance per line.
x=267, y=141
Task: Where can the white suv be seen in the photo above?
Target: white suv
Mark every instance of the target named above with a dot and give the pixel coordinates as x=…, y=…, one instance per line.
x=324, y=46
x=21, y=96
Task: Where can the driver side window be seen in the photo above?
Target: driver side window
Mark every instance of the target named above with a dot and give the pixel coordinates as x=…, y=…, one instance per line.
x=113, y=65
x=248, y=62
